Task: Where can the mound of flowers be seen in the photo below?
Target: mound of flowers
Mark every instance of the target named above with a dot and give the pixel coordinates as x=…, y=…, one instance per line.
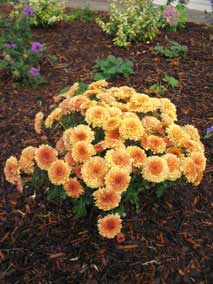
x=110, y=143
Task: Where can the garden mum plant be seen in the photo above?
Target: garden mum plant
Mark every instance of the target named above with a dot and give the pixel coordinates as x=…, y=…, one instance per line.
x=111, y=143
x=20, y=55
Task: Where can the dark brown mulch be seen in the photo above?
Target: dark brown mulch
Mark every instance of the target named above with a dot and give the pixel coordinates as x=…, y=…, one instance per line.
x=170, y=240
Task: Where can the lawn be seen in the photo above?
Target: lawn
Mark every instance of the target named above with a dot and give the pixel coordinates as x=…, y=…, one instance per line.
x=169, y=240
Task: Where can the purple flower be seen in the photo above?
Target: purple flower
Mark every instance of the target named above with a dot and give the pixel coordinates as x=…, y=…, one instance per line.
x=170, y=14
x=10, y=45
x=37, y=46
x=34, y=71
x=209, y=130
x=28, y=11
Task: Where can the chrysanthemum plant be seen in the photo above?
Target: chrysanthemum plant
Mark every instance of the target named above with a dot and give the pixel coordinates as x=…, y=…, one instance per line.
x=112, y=143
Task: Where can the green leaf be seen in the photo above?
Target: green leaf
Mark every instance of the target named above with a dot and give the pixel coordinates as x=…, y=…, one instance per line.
x=171, y=81
x=52, y=58
x=56, y=192
x=79, y=208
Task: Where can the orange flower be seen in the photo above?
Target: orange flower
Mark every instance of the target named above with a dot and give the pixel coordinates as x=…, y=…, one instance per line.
x=77, y=134
x=96, y=116
x=176, y=134
x=112, y=123
x=60, y=146
x=93, y=172
x=73, y=188
x=155, y=169
x=106, y=199
x=138, y=155
x=114, y=111
x=110, y=226
x=199, y=160
x=156, y=144
x=151, y=123
x=82, y=151
x=44, y=156
x=69, y=159
x=120, y=238
x=73, y=104
x=173, y=163
x=175, y=151
x=199, y=177
x=106, y=98
x=144, y=141
x=108, y=143
x=131, y=128
x=113, y=134
x=143, y=103
x=189, y=169
x=192, y=131
x=59, y=172
x=11, y=170
x=193, y=146
x=77, y=171
x=26, y=161
x=55, y=115
x=117, y=179
x=118, y=157
x=38, y=121
x=98, y=147
x=98, y=85
x=124, y=93
x=167, y=106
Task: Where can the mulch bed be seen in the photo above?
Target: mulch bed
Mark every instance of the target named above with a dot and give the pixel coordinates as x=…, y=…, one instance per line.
x=169, y=240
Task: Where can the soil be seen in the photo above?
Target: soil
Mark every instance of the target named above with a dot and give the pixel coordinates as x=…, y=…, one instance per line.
x=169, y=240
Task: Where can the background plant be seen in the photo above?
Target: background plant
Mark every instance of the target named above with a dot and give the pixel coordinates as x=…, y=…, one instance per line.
x=170, y=81
x=46, y=12
x=112, y=67
x=85, y=14
x=173, y=18
x=138, y=20
x=20, y=56
x=158, y=89
x=172, y=49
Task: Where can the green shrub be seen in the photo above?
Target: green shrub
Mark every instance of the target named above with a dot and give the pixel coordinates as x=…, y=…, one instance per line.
x=112, y=67
x=46, y=12
x=139, y=20
x=174, y=49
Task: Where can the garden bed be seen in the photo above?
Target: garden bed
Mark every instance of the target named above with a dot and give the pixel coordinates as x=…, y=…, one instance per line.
x=169, y=241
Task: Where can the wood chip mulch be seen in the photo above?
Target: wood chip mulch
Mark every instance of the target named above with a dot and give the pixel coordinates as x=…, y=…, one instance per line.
x=169, y=240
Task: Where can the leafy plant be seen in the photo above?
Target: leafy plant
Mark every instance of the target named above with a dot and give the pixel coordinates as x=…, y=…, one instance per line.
x=158, y=89
x=173, y=50
x=21, y=57
x=209, y=132
x=85, y=14
x=111, y=67
x=46, y=12
x=173, y=18
x=138, y=20
x=52, y=59
x=170, y=81
x=110, y=144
